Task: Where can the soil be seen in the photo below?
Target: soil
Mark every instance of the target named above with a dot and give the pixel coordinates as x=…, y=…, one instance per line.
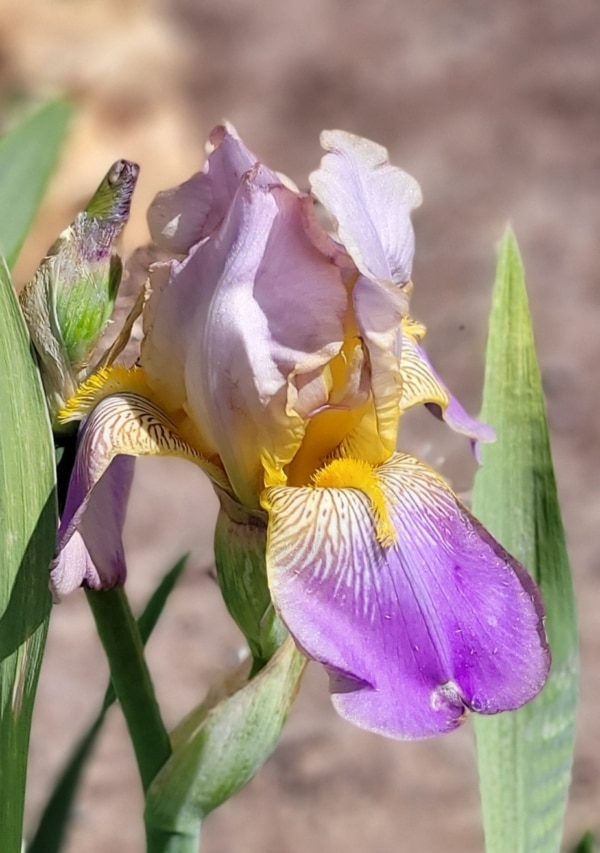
x=495, y=108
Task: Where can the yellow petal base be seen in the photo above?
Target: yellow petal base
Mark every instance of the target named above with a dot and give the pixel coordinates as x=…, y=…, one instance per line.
x=357, y=474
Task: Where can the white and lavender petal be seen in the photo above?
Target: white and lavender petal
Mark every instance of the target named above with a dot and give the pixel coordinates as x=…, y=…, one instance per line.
x=253, y=314
x=90, y=541
x=370, y=202
x=179, y=218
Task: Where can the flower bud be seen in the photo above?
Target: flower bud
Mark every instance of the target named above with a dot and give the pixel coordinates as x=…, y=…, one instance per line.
x=68, y=302
x=240, y=545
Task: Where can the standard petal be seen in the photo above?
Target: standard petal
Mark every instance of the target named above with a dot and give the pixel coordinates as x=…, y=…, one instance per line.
x=379, y=310
x=421, y=385
x=176, y=217
x=251, y=317
x=180, y=217
x=414, y=634
x=370, y=201
x=90, y=548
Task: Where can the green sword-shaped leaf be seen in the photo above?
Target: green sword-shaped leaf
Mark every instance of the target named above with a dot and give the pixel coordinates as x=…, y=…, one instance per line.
x=525, y=756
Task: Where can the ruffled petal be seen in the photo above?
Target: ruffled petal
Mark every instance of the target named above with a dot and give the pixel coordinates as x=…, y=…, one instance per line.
x=251, y=317
x=421, y=385
x=180, y=217
x=370, y=201
x=416, y=633
x=90, y=547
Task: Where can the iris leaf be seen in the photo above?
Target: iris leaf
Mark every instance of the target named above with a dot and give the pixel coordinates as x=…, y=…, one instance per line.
x=27, y=540
x=28, y=154
x=587, y=844
x=525, y=757
x=52, y=825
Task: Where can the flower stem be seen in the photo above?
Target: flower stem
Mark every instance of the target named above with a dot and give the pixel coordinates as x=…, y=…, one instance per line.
x=131, y=680
x=159, y=841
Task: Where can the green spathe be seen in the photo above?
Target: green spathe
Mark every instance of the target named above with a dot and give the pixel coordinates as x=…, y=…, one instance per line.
x=525, y=757
x=221, y=745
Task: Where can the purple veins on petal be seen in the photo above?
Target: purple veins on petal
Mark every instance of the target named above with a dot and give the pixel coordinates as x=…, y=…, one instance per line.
x=416, y=634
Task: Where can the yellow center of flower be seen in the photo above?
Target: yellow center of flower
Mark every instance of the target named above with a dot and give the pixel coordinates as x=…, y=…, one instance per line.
x=413, y=329
x=358, y=474
x=101, y=384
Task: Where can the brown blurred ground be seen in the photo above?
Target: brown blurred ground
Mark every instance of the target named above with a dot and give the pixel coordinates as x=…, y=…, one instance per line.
x=495, y=108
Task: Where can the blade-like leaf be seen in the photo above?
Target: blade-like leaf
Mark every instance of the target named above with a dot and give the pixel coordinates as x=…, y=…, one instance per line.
x=525, y=757
x=52, y=825
x=27, y=539
x=151, y=613
x=587, y=844
x=28, y=154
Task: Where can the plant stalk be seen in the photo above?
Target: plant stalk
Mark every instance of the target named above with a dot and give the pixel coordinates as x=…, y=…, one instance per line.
x=131, y=680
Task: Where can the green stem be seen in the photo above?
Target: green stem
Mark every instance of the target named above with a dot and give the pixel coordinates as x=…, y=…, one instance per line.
x=122, y=643
x=159, y=841
x=131, y=680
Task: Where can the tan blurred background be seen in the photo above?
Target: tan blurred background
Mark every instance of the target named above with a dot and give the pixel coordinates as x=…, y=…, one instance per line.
x=495, y=108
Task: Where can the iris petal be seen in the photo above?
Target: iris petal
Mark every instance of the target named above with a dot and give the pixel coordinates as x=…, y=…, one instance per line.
x=379, y=314
x=370, y=201
x=90, y=548
x=179, y=218
x=415, y=634
x=421, y=385
x=244, y=327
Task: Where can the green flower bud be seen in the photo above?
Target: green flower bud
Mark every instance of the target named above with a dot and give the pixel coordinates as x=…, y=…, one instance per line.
x=68, y=302
x=240, y=545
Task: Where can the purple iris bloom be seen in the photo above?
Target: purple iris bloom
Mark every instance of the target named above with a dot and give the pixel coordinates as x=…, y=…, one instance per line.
x=280, y=357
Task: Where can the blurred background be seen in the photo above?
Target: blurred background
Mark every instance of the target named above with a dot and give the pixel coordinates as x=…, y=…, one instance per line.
x=495, y=108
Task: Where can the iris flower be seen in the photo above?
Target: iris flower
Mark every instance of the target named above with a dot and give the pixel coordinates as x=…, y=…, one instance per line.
x=279, y=355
